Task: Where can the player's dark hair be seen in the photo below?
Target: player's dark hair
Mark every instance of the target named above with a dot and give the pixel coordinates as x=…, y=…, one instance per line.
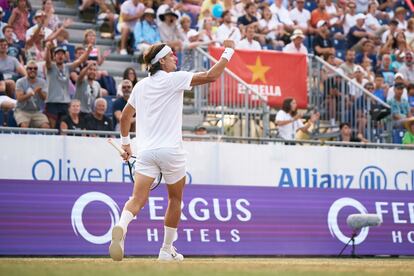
x=150, y=54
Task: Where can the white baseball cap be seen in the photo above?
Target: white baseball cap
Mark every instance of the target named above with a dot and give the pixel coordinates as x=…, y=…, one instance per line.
x=320, y=23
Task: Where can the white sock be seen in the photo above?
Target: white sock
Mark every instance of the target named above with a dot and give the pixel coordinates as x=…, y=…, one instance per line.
x=170, y=235
x=126, y=218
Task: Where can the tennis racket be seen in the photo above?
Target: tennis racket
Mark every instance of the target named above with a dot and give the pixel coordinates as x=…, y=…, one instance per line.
x=131, y=164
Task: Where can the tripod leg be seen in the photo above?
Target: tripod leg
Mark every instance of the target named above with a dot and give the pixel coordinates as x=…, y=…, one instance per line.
x=345, y=246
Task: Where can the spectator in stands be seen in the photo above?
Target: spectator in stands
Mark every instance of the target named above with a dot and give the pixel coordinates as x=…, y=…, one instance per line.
x=282, y=15
x=30, y=94
x=19, y=19
x=300, y=16
x=398, y=79
x=357, y=34
x=372, y=24
x=380, y=88
x=400, y=14
x=400, y=109
x=289, y=121
x=319, y=14
x=346, y=134
x=169, y=32
x=2, y=24
x=390, y=32
x=249, y=18
x=386, y=70
x=79, y=51
x=87, y=88
x=129, y=74
x=58, y=76
x=131, y=12
x=10, y=67
x=369, y=74
x=89, y=38
x=62, y=40
x=249, y=43
x=358, y=78
x=322, y=42
x=146, y=31
x=271, y=29
x=407, y=70
x=409, y=33
x=227, y=30
x=348, y=67
x=207, y=33
x=349, y=19
x=38, y=35
x=411, y=97
x=191, y=36
x=6, y=103
x=14, y=48
x=296, y=46
x=52, y=21
x=72, y=120
x=368, y=52
x=167, y=4
x=399, y=60
x=331, y=8
x=408, y=138
x=119, y=104
x=97, y=120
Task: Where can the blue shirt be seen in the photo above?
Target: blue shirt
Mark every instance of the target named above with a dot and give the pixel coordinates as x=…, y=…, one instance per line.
x=401, y=108
x=145, y=32
x=380, y=93
x=411, y=101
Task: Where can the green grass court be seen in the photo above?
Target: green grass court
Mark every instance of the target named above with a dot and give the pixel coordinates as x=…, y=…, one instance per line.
x=206, y=266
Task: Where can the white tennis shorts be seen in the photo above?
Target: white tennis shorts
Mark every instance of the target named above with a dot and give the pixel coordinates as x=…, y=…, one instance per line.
x=169, y=161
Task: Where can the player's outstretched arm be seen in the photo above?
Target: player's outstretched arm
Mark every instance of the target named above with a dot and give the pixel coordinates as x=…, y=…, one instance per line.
x=214, y=73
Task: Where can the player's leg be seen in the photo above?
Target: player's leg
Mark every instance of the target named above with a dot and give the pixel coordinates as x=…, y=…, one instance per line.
x=132, y=207
x=172, y=218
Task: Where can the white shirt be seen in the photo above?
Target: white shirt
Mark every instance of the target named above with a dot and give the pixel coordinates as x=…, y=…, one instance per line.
x=224, y=31
x=32, y=30
x=290, y=48
x=349, y=22
x=391, y=94
x=158, y=103
x=302, y=17
x=271, y=25
x=288, y=131
x=281, y=14
x=130, y=9
x=246, y=45
x=331, y=10
x=371, y=21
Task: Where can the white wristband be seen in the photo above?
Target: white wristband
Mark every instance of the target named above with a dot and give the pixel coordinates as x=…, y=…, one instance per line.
x=227, y=54
x=125, y=140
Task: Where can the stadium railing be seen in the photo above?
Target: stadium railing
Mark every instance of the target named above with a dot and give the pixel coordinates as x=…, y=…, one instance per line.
x=341, y=99
x=230, y=103
x=208, y=137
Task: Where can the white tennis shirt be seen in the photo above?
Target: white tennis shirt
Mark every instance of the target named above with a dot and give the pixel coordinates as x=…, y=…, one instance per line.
x=158, y=103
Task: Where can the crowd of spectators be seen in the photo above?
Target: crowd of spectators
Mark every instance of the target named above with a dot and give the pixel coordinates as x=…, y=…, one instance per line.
x=369, y=41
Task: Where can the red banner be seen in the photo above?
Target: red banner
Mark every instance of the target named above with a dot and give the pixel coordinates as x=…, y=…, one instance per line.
x=275, y=75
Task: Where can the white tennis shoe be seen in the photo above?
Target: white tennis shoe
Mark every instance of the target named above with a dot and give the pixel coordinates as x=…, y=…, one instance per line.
x=170, y=255
x=116, y=249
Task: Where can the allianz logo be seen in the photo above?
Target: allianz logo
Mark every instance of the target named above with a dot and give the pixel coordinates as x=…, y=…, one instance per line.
x=370, y=178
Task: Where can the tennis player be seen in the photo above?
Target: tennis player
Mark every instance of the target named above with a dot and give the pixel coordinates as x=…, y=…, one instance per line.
x=157, y=102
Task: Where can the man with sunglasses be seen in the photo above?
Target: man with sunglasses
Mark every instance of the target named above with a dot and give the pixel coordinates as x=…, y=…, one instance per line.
x=31, y=93
x=120, y=103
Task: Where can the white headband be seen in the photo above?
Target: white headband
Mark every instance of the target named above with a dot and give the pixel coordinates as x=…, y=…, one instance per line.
x=164, y=51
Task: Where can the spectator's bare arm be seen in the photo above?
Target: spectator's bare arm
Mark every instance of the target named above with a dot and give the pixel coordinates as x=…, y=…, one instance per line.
x=48, y=58
x=83, y=72
x=83, y=57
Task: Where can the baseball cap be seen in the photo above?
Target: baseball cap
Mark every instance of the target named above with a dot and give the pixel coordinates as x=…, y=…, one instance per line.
x=399, y=75
x=360, y=16
x=39, y=13
x=59, y=49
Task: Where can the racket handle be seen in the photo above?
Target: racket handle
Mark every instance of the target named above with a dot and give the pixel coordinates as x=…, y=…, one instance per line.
x=116, y=146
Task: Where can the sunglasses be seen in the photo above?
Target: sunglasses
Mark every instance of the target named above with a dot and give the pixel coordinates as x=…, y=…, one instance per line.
x=125, y=87
x=32, y=68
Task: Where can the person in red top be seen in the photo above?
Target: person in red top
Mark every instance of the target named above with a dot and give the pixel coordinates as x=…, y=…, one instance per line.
x=319, y=14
